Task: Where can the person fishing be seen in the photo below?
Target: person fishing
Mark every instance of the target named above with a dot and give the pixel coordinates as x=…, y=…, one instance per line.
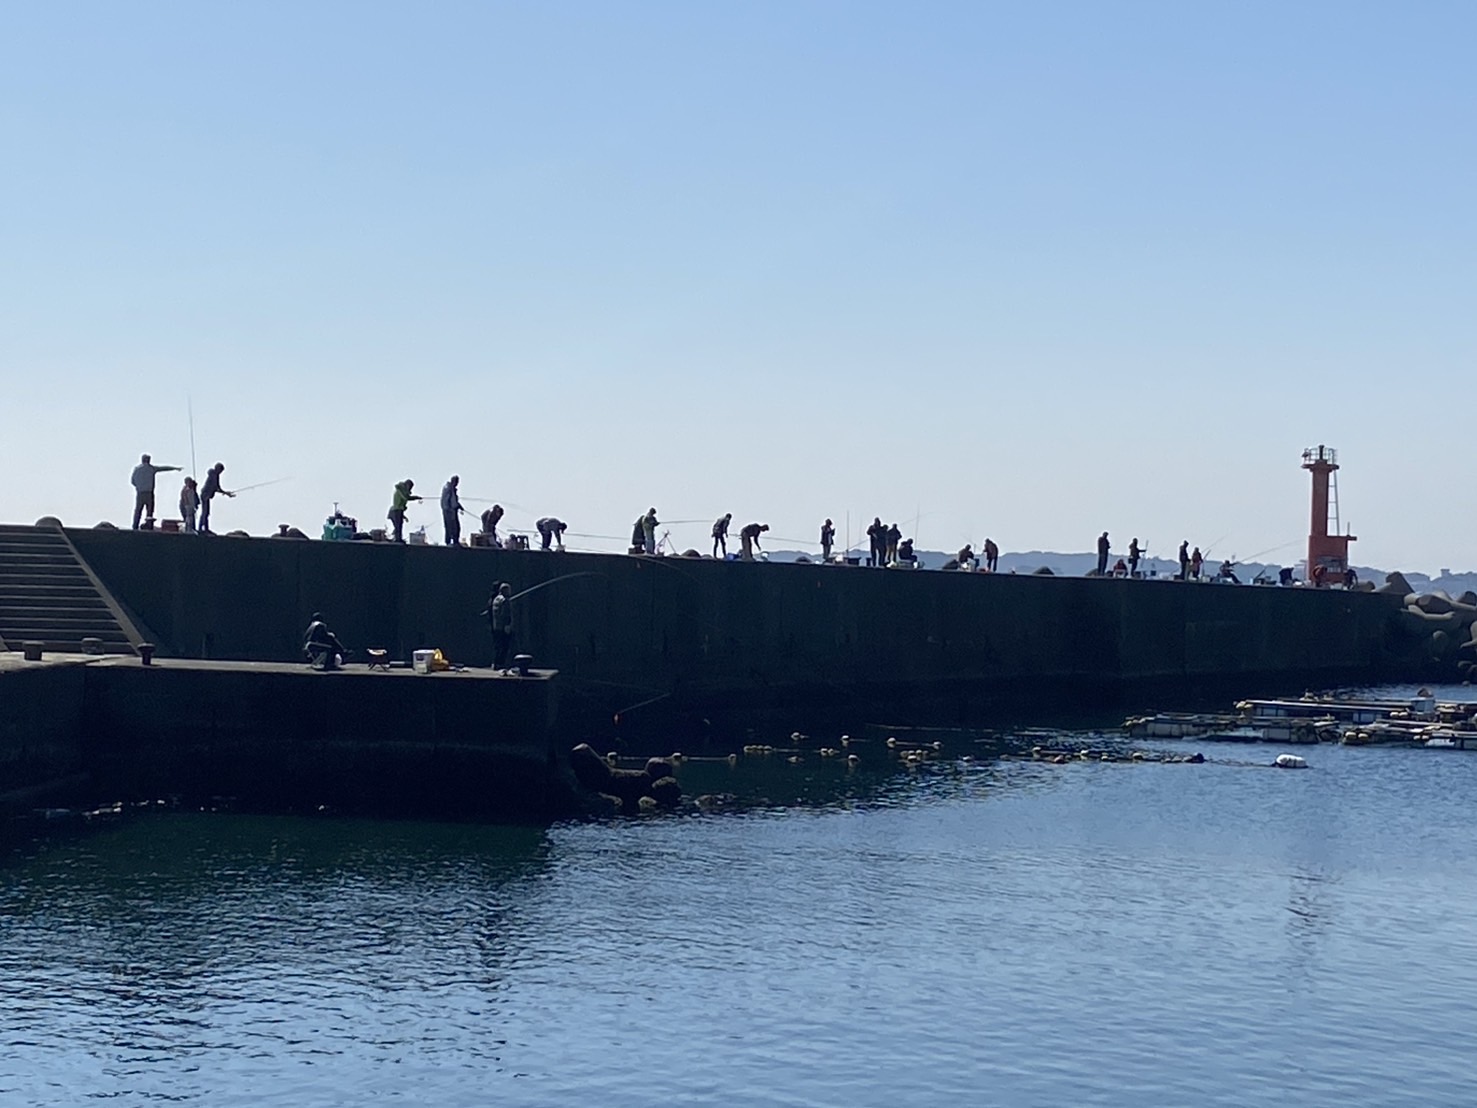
x=1103, y=549
x=1228, y=572
x=720, y=533
x=1184, y=560
x=209, y=491
x=404, y=494
x=1196, y=561
x=891, y=537
x=877, y=537
x=828, y=539
x=321, y=647
x=1133, y=557
x=499, y=613
x=451, y=511
x=965, y=558
x=143, y=488
x=490, y=519
x=649, y=524
x=992, y=556
x=551, y=532
x=749, y=540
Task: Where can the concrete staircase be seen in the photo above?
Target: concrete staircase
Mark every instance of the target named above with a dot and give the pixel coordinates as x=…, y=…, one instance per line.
x=48, y=596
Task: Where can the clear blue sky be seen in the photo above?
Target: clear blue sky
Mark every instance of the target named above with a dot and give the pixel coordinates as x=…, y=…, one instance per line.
x=1032, y=270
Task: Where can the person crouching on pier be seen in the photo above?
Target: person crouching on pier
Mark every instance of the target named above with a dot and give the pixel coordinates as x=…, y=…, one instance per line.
x=551, y=532
x=321, y=646
x=749, y=540
x=490, y=520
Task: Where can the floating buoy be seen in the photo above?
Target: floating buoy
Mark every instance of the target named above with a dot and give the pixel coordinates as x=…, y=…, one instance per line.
x=1290, y=761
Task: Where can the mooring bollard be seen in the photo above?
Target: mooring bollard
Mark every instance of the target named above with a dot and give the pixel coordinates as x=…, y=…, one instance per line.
x=146, y=653
x=31, y=651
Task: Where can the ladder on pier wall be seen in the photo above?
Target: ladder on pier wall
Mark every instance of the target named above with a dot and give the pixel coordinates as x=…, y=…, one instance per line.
x=48, y=595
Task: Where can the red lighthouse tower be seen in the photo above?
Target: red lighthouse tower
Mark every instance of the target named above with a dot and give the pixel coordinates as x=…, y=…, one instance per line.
x=1328, y=552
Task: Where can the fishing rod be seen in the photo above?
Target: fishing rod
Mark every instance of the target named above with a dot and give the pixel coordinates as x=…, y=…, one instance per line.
x=190, y=409
x=261, y=484
x=554, y=581
x=1270, y=550
x=643, y=704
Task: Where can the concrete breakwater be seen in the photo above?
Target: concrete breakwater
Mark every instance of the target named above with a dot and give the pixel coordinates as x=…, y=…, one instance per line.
x=282, y=736
x=650, y=644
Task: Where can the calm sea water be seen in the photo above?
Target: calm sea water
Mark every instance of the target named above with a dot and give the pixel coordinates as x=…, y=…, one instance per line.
x=992, y=932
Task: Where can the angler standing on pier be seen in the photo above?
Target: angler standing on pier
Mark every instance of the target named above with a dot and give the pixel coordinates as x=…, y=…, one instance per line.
x=877, y=533
x=1103, y=548
x=649, y=524
x=1185, y=560
x=828, y=539
x=1133, y=557
x=143, y=488
x=208, y=493
x=451, y=511
x=1196, y=561
x=404, y=494
x=720, y=533
x=992, y=556
x=500, y=618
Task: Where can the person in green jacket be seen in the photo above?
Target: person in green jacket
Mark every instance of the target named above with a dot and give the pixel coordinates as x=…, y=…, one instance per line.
x=403, y=496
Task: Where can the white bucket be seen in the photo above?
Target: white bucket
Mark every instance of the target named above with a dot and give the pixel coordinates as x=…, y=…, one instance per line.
x=420, y=661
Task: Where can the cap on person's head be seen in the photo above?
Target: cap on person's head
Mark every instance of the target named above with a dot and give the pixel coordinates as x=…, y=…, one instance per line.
x=764, y=527
x=505, y=588
x=409, y=483
x=317, y=616
x=828, y=519
x=144, y=458
x=454, y=478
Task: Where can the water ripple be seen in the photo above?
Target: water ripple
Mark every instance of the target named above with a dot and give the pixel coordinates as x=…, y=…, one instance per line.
x=1103, y=934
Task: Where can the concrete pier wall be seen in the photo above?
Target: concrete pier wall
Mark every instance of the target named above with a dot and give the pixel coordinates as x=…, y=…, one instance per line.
x=41, y=727
x=706, y=636
x=283, y=736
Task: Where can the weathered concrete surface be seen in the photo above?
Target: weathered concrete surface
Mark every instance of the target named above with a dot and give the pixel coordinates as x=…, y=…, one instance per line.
x=282, y=735
x=698, y=638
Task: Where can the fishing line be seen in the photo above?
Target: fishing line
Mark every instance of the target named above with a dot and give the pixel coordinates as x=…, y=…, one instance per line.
x=262, y=484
